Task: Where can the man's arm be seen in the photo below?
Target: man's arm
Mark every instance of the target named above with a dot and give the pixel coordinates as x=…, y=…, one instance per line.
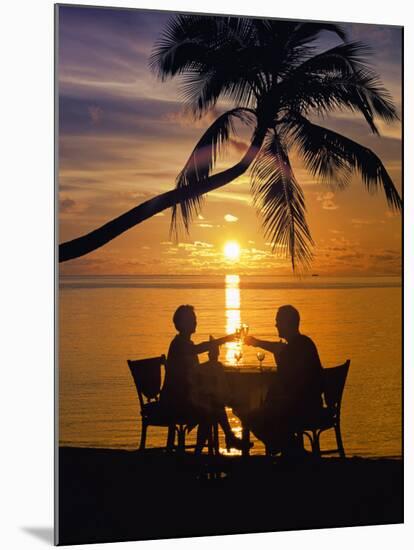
x=272, y=347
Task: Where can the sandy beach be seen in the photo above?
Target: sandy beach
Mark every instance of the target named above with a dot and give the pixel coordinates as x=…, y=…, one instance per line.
x=110, y=495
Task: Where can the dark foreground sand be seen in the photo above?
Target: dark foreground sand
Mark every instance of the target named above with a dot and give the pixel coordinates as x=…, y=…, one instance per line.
x=109, y=495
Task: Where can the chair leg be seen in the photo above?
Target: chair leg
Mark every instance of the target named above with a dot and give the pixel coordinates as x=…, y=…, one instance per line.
x=203, y=438
x=341, y=449
x=144, y=427
x=316, y=448
x=213, y=440
x=210, y=440
x=246, y=441
x=181, y=438
x=216, y=441
x=170, y=438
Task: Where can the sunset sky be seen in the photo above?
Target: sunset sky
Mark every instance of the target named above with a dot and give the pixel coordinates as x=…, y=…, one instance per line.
x=124, y=137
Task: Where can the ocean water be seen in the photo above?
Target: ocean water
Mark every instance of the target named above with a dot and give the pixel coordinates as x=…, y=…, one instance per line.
x=103, y=321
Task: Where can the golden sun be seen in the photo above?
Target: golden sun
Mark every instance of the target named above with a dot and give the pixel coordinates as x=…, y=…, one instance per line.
x=232, y=250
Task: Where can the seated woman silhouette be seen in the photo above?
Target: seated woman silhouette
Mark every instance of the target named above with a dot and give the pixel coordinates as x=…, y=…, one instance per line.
x=295, y=396
x=182, y=363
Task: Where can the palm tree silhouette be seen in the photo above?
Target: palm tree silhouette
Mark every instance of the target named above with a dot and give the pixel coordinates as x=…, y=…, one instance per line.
x=278, y=83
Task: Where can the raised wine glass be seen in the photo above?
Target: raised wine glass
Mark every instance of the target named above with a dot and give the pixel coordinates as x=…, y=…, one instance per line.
x=260, y=355
x=245, y=330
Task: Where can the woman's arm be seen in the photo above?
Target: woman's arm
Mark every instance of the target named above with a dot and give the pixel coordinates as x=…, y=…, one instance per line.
x=206, y=346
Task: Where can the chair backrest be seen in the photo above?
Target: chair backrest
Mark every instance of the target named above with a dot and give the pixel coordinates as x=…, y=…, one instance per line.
x=147, y=377
x=333, y=385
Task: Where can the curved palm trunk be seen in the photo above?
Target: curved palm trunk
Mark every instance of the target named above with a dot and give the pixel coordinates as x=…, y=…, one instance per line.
x=97, y=238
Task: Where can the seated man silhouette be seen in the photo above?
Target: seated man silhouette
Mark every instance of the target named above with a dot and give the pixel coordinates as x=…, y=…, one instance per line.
x=177, y=394
x=295, y=397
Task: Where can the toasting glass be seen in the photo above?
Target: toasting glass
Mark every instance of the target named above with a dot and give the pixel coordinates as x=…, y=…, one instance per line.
x=244, y=330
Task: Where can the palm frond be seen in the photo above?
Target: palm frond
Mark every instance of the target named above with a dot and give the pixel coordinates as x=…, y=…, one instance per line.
x=359, y=91
x=342, y=59
x=327, y=153
x=202, y=89
x=291, y=34
x=281, y=203
x=201, y=162
x=183, y=45
x=211, y=54
x=274, y=52
x=307, y=32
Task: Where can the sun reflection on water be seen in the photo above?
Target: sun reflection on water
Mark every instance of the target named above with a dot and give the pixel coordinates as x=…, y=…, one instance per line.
x=232, y=290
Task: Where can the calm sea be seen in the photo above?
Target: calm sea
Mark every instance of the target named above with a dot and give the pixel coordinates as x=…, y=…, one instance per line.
x=106, y=320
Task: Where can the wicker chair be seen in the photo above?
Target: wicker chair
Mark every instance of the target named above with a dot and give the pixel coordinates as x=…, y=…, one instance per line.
x=333, y=386
x=147, y=377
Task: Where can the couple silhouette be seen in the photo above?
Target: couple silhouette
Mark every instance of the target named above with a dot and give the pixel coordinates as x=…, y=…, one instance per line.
x=293, y=397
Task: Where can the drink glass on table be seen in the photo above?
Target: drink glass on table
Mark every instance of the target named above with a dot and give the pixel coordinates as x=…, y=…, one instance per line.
x=238, y=355
x=260, y=355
